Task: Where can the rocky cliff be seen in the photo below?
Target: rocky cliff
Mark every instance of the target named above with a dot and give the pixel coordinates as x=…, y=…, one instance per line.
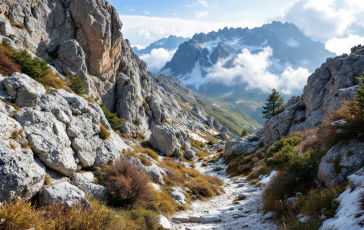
x=84, y=38
x=326, y=91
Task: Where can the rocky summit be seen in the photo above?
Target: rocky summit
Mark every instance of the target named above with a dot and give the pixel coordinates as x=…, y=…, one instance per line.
x=90, y=139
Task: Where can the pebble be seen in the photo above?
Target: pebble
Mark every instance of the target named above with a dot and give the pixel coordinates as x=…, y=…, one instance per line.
x=236, y=202
x=241, y=185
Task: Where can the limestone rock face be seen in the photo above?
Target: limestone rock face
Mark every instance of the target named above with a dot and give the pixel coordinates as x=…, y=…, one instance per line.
x=20, y=175
x=341, y=161
x=164, y=140
x=326, y=90
x=62, y=128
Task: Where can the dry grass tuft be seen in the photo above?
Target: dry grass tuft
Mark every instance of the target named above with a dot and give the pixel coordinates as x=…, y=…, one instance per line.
x=104, y=132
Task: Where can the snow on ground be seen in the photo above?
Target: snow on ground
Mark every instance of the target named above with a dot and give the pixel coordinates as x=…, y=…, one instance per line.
x=196, y=137
x=233, y=216
x=346, y=215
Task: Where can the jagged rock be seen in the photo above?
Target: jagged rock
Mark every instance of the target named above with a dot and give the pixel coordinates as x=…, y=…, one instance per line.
x=239, y=147
x=20, y=175
x=326, y=90
x=62, y=193
x=164, y=140
x=126, y=129
x=189, y=154
x=340, y=161
x=48, y=139
x=72, y=59
x=23, y=89
x=224, y=133
x=156, y=173
x=94, y=190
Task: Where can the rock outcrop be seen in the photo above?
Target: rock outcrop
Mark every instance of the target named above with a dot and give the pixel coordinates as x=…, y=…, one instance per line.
x=341, y=161
x=326, y=90
x=244, y=145
x=164, y=140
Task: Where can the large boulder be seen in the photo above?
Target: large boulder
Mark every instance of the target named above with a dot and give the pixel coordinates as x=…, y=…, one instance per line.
x=340, y=161
x=61, y=193
x=20, y=175
x=164, y=140
x=94, y=190
x=23, y=90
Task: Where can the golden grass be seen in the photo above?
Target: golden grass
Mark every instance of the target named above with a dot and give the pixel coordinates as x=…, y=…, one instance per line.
x=147, y=151
x=104, y=132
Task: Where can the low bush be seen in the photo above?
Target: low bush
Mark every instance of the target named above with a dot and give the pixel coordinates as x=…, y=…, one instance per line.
x=7, y=65
x=112, y=118
x=127, y=184
x=77, y=85
x=278, y=145
x=33, y=67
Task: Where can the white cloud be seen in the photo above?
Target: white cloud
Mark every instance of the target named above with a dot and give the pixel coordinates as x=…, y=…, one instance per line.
x=204, y=3
x=343, y=45
x=142, y=30
x=202, y=14
x=146, y=12
x=157, y=59
x=252, y=69
x=322, y=18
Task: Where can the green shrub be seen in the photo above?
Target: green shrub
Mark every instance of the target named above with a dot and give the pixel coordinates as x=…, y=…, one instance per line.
x=33, y=67
x=77, y=85
x=281, y=158
x=137, y=122
x=278, y=145
x=112, y=118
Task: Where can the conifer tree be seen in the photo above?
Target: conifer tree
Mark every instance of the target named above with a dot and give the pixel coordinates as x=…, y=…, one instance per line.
x=244, y=132
x=274, y=103
x=358, y=105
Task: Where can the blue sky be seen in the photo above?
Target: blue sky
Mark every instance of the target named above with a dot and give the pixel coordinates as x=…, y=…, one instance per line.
x=338, y=23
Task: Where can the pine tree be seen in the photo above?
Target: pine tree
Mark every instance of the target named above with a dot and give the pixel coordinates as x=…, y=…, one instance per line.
x=358, y=105
x=244, y=132
x=274, y=103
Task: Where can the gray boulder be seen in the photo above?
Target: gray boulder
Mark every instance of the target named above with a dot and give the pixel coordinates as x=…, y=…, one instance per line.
x=189, y=154
x=20, y=175
x=340, y=161
x=164, y=140
x=82, y=178
x=62, y=193
x=94, y=190
x=23, y=89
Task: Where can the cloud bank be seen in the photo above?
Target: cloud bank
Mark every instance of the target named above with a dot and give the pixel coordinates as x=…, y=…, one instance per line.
x=253, y=71
x=157, y=58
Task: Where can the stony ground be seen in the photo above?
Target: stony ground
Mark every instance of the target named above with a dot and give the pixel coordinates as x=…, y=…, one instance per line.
x=234, y=215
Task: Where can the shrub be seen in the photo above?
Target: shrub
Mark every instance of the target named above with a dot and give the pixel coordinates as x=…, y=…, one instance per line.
x=205, y=186
x=278, y=145
x=281, y=158
x=127, y=184
x=220, y=150
x=104, y=132
x=7, y=65
x=112, y=118
x=210, y=142
x=33, y=67
x=145, y=219
x=77, y=85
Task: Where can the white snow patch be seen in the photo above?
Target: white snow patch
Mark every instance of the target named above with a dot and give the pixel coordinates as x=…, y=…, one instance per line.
x=345, y=217
x=268, y=178
x=293, y=43
x=196, y=137
x=195, y=77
